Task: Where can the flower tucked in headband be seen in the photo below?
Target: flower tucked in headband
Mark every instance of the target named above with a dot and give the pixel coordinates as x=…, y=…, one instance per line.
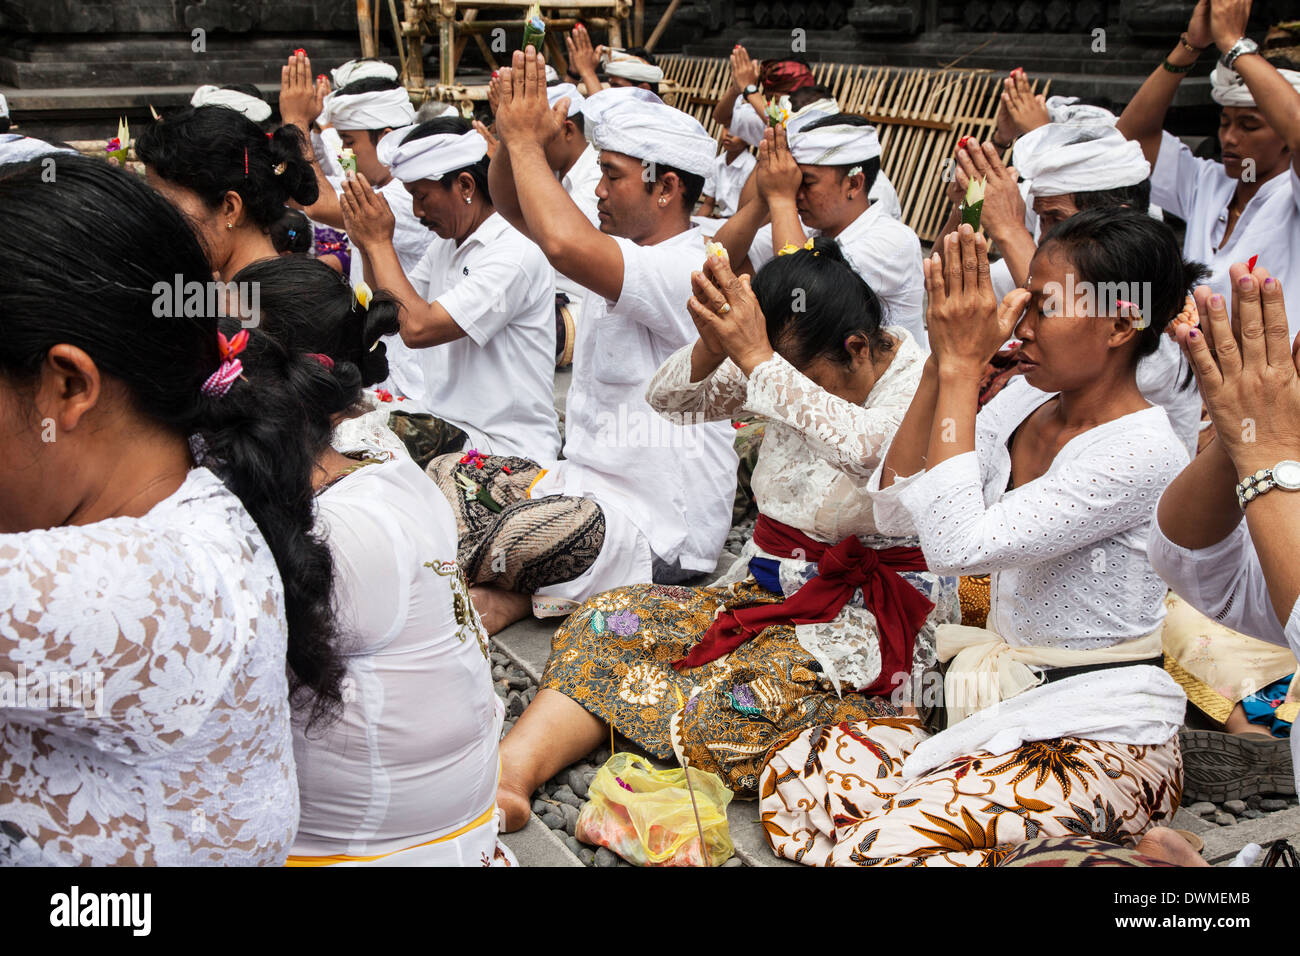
x=790, y=247
x=231, y=368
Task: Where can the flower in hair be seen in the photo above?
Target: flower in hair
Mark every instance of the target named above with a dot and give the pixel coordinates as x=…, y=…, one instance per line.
x=855, y=171
x=790, y=247
x=1135, y=315
x=323, y=359
x=362, y=295
x=279, y=168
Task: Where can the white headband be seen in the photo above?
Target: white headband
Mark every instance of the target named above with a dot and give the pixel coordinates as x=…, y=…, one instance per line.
x=632, y=68
x=839, y=145
x=1059, y=159
x=1229, y=89
x=650, y=131
x=1068, y=109
x=253, y=108
x=378, y=110
x=430, y=157
x=551, y=75
x=17, y=148
x=811, y=113
x=560, y=91
x=354, y=70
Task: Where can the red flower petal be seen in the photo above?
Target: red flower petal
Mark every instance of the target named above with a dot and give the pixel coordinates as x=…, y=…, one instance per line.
x=1251, y=263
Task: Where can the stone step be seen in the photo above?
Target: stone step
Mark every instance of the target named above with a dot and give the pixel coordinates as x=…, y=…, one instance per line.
x=1223, y=843
x=537, y=845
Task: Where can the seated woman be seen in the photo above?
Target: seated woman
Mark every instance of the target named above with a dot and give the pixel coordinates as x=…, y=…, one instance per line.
x=230, y=179
x=1051, y=490
x=824, y=618
x=158, y=559
x=407, y=776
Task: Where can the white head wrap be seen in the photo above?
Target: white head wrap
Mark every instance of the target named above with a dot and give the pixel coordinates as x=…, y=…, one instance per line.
x=559, y=91
x=1059, y=159
x=377, y=110
x=646, y=128
x=1068, y=109
x=551, y=75
x=430, y=157
x=632, y=68
x=811, y=113
x=1229, y=89
x=253, y=108
x=17, y=148
x=354, y=70
x=4, y=105
x=839, y=145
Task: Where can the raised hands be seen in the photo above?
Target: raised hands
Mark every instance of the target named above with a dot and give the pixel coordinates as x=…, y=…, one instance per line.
x=744, y=70
x=523, y=114
x=966, y=324
x=367, y=217
x=778, y=175
x=1227, y=20
x=1019, y=110
x=1245, y=364
x=584, y=59
x=727, y=315
x=301, y=97
x=1004, y=207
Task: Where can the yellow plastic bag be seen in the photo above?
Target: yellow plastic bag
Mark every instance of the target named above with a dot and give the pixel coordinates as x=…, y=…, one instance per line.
x=644, y=815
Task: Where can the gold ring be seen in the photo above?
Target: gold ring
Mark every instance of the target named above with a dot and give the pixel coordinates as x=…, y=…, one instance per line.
x=726, y=307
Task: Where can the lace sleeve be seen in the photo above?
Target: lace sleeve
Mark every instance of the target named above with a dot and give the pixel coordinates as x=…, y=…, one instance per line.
x=849, y=436
x=716, y=398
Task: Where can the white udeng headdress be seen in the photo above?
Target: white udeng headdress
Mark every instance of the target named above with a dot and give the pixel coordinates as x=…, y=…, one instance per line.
x=377, y=110
x=649, y=130
x=559, y=91
x=253, y=108
x=632, y=68
x=354, y=70
x=838, y=145
x=430, y=157
x=1229, y=89
x=1059, y=159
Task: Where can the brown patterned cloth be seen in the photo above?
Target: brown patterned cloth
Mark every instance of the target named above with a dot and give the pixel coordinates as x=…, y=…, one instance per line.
x=973, y=592
x=748, y=442
x=425, y=436
x=614, y=657
x=529, y=543
x=834, y=795
x=1075, y=851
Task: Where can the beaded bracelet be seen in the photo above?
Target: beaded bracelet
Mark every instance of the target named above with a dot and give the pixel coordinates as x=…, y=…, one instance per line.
x=1173, y=68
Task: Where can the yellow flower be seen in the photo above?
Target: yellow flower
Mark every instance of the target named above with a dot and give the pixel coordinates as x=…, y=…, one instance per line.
x=363, y=295
x=716, y=249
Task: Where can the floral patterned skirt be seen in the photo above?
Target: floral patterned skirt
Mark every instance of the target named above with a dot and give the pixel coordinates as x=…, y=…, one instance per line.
x=614, y=657
x=834, y=795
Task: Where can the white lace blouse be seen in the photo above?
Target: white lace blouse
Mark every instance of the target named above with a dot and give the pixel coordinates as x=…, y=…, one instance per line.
x=167, y=741
x=1067, y=551
x=819, y=450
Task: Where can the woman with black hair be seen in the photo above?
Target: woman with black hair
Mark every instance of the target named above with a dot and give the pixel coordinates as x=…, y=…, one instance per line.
x=408, y=773
x=794, y=641
x=1051, y=491
x=228, y=178
x=158, y=554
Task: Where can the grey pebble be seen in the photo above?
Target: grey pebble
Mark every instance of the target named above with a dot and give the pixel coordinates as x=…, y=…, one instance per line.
x=1224, y=819
x=1251, y=814
x=529, y=694
x=587, y=856
x=606, y=857
x=570, y=819
x=553, y=818
x=577, y=783
x=540, y=806
x=517, y=679
x=574, y=846
x=734, y=861
x=514, y=704
x=498, y=672
x=1235, y=807
x=1203, y=809
x=1272, y=804
x=564, y=794
x=1253, y=801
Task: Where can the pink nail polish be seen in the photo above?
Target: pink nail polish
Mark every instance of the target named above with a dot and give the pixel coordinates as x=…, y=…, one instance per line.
x=1244, y=282
x=1269, y=282
x=1193, y=334
x=1216, y=300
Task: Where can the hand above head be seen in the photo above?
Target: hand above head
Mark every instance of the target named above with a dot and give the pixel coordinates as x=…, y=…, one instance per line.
x=1200, y=33
x=492, y=142
x=301, y=97
x=584, y=59
x=744, y=70
x=1004, y=207
x=1024, y=110
x=778, y=175
x=965, y=322
x=956, y=188
x=494, y=92
x=367, y=217
x=726, y=313
x=1245, y=364
x=523, y=114
x=1228, y=22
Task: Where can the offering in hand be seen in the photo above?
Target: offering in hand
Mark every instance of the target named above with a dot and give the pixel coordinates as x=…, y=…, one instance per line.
x=778, y=111
x=534, y=28
x=348, y=160
x=973, y=204
x=716, y=249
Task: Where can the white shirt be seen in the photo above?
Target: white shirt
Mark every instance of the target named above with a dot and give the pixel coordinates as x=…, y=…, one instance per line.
x=410, y=242
x=727, y=180
x=886, y=253
x=496, y=383
x=187, y=756
x=1226, y=582
x=1160, y=375
x=580, y=183
x=1067, y=551
x=1199, y=191
x=675, y=483
x=414, y=754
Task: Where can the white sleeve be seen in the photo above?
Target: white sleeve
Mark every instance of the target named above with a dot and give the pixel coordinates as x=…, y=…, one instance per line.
x=746, y=123
x=717, y=397
x=1175, y=176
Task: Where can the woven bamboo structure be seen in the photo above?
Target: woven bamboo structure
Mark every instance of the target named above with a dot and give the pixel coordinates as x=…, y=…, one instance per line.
x=920, y=115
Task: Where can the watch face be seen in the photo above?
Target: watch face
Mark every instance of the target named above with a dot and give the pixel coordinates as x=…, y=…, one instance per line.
x=1286, y=474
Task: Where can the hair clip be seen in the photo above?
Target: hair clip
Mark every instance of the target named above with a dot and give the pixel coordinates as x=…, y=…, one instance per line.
x=293, y=234
x=1137, y=320
x=245, y=162
x=279, y=168
x=219, y=382
x=323, y=359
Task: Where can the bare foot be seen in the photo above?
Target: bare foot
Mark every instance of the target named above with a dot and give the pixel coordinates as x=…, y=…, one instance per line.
x=516, y=806
x=499, y=608
x=1168, y=846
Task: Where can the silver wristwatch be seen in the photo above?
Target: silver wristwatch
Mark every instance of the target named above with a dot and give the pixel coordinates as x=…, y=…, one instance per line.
x=751, y=89
x=1240, y=48
x=1284, y=475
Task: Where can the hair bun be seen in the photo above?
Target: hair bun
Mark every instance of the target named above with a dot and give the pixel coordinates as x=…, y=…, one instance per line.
x=288, y=147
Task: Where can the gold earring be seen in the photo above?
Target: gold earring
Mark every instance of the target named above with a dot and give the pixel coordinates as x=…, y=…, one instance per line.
x=230, y=225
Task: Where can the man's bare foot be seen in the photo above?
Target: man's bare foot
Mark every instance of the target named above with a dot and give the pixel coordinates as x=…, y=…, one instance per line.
x=1168, y=846
x=498, y=607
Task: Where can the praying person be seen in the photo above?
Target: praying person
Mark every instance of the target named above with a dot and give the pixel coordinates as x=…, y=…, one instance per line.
x=731, y=170
x=229, y=179
x=163, y=543
x=478, y=310
x=1248, y=203
x=407, y=775
x=741, y=107
x=822, y=618
x=819, y=185
x=1060, y=719
x=636, y=498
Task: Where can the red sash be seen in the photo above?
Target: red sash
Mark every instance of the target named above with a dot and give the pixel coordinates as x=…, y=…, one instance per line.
x=899, y=608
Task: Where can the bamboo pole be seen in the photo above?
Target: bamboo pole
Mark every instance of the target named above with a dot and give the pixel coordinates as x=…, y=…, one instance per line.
x=662, y=25
x=365, y=28
x=397, y=35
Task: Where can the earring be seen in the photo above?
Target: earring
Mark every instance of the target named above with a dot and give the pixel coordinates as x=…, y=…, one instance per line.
x=663, y=201
x=467, y=200
x=230, y=225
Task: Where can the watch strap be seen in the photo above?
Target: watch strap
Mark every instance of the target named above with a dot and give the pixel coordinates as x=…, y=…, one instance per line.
x=1252, y=486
